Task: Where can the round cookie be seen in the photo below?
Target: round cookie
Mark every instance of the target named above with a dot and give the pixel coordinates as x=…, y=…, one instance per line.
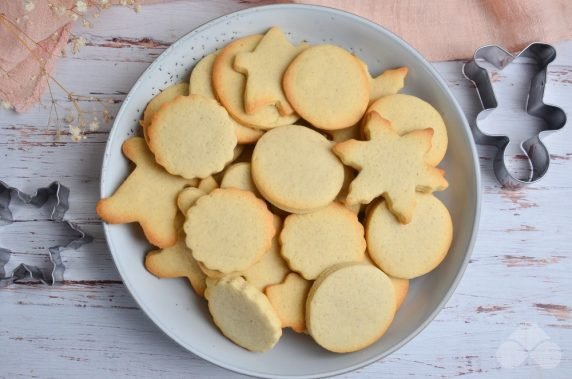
x=201, y=77
x=243, y=313
x=407, y=113
x=192, y=136
x=238, y=176
x=229, y=230
x=327, y=86
x=411, y=250
x=229, y=86
x=201, y=84
x=314, y=241
x=401, y=289
x=166, y=96
x=294, y=168
x=349, y=307
x=401, y=285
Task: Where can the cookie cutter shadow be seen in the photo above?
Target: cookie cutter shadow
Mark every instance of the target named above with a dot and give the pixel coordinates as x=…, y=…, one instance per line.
x=554, y=117
x=55, y=196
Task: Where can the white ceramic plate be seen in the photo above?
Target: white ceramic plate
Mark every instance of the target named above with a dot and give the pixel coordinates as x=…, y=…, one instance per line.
x=171, y=304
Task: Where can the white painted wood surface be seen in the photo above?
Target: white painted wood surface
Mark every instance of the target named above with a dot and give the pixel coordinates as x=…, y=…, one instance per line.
x=520, y=272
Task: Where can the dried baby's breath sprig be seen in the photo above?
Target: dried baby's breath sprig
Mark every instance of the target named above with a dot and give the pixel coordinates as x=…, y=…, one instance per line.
x=133, y=4
x=28, y=42
x=29, y=5
x=80, y=6
x=77, y=43
x=79, y=121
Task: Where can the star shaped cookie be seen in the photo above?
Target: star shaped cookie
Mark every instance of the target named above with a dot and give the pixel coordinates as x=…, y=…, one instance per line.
x=391, y=166
x=264, y=68
x=148, y=196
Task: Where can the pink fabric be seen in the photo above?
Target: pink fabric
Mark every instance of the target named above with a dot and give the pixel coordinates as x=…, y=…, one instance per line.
x=453, y=29
x=21, y=73
x=21, y=79
x=440, y=30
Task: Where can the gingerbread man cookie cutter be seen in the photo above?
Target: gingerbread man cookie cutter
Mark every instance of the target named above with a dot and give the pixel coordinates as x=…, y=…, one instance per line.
x=554, y=117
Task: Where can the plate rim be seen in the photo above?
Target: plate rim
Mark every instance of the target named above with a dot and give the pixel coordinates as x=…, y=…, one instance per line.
x=440, y=82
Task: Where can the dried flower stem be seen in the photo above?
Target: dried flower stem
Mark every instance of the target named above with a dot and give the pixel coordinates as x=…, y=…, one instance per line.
x=79, y=11
x=17, y=33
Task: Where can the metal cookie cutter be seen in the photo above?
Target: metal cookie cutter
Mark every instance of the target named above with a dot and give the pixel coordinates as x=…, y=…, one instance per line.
x=56, y=196
x=554, y=117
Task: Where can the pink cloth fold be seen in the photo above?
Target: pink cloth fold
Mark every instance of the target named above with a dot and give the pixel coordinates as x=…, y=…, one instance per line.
x=454, y=29
x=440, y=30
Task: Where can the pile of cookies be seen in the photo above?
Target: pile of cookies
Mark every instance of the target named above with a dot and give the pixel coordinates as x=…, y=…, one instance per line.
x=292, y=189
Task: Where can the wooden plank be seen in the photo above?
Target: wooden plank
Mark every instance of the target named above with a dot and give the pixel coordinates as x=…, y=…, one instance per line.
x=90, y=326
x=94, y=329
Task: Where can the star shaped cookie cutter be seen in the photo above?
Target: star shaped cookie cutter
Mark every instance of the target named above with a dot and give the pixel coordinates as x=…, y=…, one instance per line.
x=55, y=195
x=555, y=118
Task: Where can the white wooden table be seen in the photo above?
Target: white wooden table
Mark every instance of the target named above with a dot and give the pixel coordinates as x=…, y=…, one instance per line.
x=519, y=276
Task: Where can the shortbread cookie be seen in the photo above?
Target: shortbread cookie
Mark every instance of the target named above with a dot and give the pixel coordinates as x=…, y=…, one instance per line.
x=264, y=68
x=229, y=230
x=314, y=241
x=294, y=168
x=166, y=96
x=238, y=176
x=327, y=86
x=229, y=86
x=243, y=314
x=201, y=77
x=177, y=261
x=271, y=268
x=349, y=176
x=349, y=307
x=201, y=84
x=412, y=250
x=387, y=83
x=214, y=274
x=238, y=150
x=401, y=289
x=401, y=285
x=192, y=136
x=208, y=184
x=148, y=196
x=391, y=166
x=289, y=301
x=187, y=198
x=407, y=113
